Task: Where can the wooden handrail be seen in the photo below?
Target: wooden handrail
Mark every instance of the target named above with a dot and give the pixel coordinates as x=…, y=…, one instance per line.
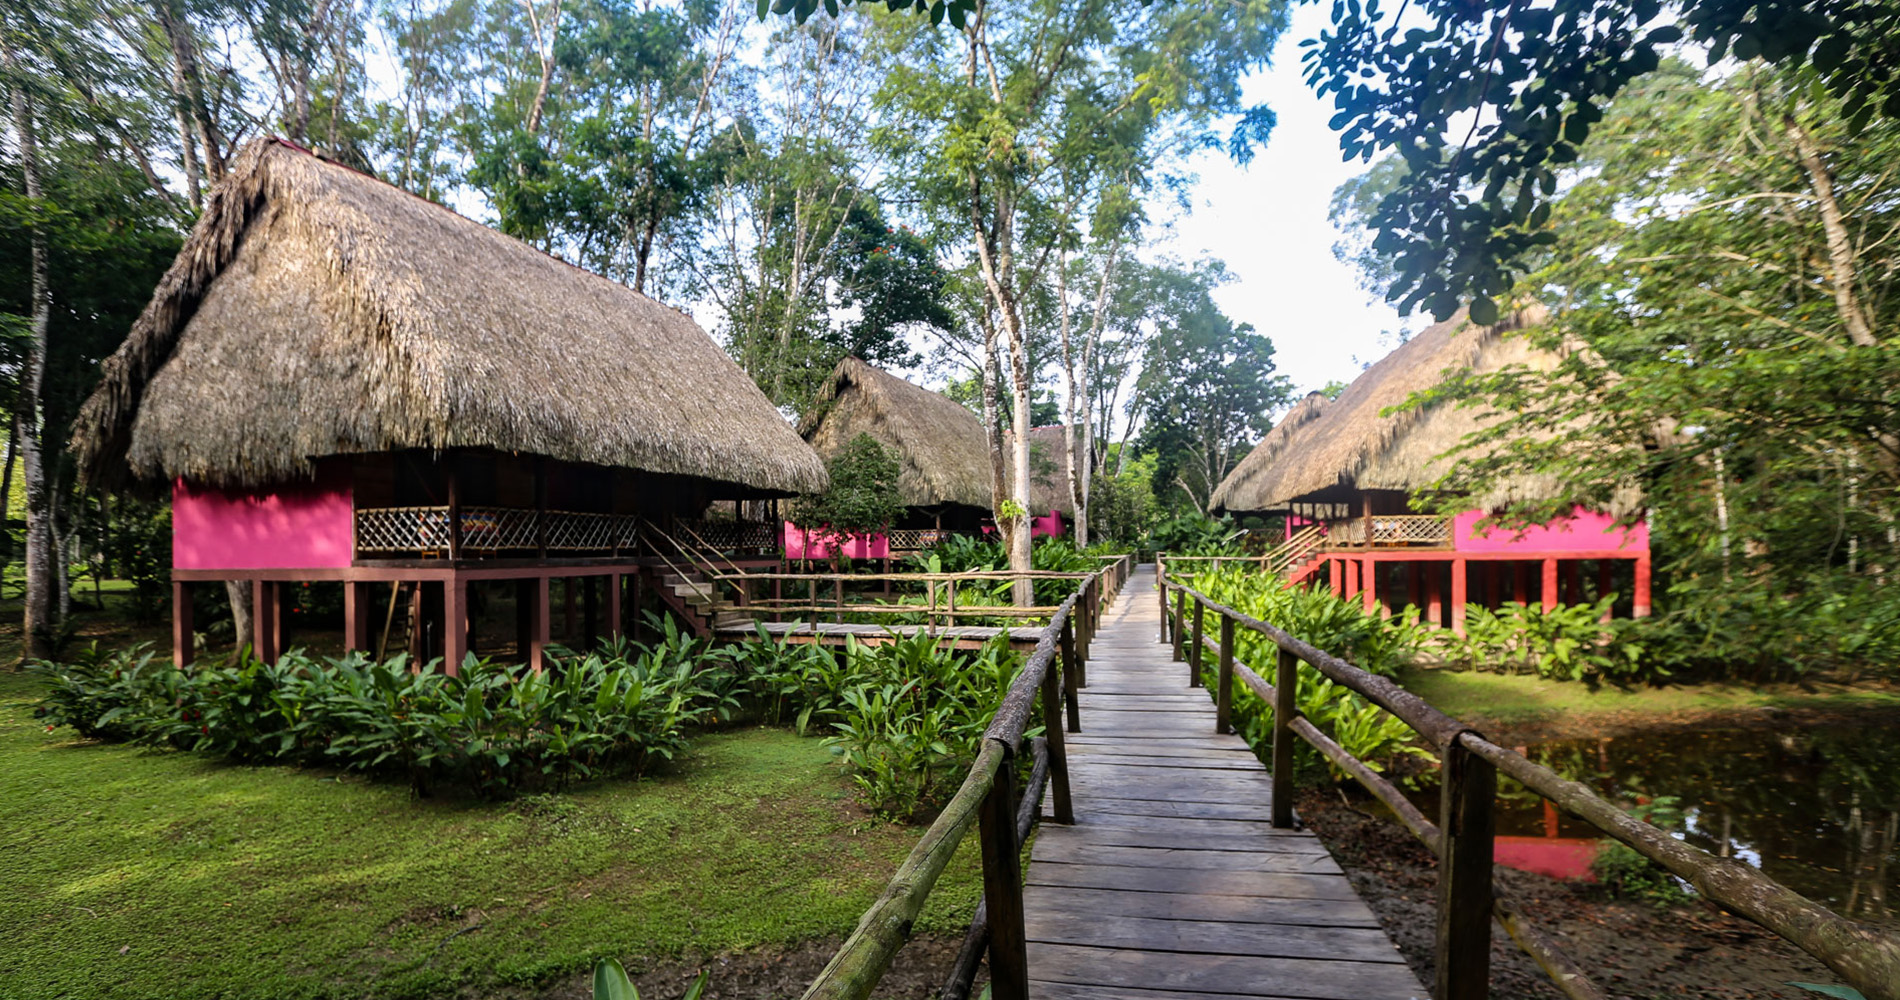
x=987, y=798
x=1868, y=959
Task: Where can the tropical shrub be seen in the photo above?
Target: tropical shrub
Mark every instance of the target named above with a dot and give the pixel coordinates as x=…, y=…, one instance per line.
x=1343, y=628
x=1624, y=873
x=492, y=729
x=1571, y=642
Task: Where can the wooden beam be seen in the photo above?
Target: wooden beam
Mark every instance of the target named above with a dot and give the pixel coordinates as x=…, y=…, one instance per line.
x=183, y=648
x=1467, y=828
x=1286, y=685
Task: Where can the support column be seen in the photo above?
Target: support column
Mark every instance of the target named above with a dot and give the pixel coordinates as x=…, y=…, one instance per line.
x=614, y=627
x=1336, y=576
x=1352, y=578
x=538, y=637
x=524, y=618
x=590, y=611
x=1369, y=584
x=183, y=648
x=1549, y=590
x=1434, y=595
x=356, y=617
x=1640, y=594
x=1459, y=596
x=454, y=624
x=263, y=619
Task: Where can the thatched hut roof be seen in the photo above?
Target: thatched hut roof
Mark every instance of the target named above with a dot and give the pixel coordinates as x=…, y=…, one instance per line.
x=317, y=311
x=1048, y=469
x=1352, y=443
x=941, y=450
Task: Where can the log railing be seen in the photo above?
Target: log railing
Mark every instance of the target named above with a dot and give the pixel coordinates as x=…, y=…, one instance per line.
x=813, y=596
x=1462, y=838
x=1001, y=813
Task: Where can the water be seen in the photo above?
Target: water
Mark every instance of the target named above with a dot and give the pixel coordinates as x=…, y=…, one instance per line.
x=1817, y=809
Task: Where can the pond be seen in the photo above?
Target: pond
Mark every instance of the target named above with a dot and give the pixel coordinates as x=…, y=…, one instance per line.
x=1817, y=808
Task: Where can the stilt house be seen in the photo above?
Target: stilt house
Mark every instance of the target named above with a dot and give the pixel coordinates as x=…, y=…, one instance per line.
x=1344, y=472
x=943, y=460
x=340, y=381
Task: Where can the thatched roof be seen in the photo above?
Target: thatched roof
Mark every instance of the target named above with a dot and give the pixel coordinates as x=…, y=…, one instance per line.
x=316, y=311
x=1049, y=470
x=939, y=443
x=1351, y=443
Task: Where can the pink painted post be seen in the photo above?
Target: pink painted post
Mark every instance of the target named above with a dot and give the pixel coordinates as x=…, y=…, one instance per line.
x=1550, y=584
x=1458, y=596
x=1641, y=593
x=1336, y=577
x=1369, y=580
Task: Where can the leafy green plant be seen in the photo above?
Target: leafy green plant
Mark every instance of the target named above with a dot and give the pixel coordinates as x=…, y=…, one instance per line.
x=1568, y=642
x=611, y=983
x=1623, y=873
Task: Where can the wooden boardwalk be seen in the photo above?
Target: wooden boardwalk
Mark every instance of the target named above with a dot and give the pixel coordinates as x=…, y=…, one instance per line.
x=1173, y=884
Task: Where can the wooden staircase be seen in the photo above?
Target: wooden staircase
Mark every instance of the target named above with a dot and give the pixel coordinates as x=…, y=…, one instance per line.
x=1297, y=557
x=685, y=584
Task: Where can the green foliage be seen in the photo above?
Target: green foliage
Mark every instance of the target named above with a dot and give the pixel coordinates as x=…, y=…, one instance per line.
x=905, y=715
x=1624, y=873
x=1570, y=642
x=1534, y=83
x=1340, y=627
x=491, y=729
x=863, y=497
x=1193, y=534
x=611, y=983
x=141, y=552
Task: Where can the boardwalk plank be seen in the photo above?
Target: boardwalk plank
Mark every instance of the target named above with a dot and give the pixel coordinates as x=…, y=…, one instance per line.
x=1172, y=884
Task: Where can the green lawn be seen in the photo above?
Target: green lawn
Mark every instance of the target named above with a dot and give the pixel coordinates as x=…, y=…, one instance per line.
x=135, y=873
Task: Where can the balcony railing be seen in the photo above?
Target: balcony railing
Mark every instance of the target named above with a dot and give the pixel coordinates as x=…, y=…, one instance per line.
x=487, y=532
x=1389, y=531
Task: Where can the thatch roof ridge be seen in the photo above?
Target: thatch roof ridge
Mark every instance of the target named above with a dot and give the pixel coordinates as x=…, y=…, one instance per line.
x=1336, y=442
x=943, y=454
x=1242, y=481
x=316, y=310
x=1048, y=468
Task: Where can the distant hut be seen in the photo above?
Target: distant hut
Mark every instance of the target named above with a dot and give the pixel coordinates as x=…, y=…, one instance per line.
x=1345, y=471
x=1051, y=503
x=340, y=381
x=943, y=458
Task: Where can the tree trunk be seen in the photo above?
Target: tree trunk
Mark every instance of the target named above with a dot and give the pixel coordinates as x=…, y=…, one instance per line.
x=993, y=432
x=177, y=30
x=41, y=626
x=238, y=592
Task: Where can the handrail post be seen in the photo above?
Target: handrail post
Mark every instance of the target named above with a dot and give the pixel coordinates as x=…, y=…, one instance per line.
x=1161, y=594
x=1003, y=887
x=1052, y=685
x=1224, y=686
x=1180, y=621
x=1467, y=825
x=1286, y=689
x=1070, y=680
x=1199, y=636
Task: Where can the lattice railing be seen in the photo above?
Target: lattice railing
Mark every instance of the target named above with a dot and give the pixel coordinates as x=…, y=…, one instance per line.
x=730, y=536
x=489, y=530
x=1394, y=530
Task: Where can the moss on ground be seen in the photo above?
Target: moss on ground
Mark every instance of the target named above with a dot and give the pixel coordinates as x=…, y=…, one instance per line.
x=138, y=873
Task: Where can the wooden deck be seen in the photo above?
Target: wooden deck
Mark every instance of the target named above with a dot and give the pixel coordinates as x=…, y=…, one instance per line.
x=1173, y=883
x=834, y=634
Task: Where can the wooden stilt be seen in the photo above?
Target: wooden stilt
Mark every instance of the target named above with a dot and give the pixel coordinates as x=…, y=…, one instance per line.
x=1369, y=584
x=356, y=617
x=1459, y=595
x=183, y=649
x=454, y=624
x=538, y=639
x=614, y=624
x=1549, y=589
x=1640, y=592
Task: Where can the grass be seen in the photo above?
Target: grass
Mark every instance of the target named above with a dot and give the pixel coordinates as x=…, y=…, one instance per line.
x=1521, y=699
x=136, y=873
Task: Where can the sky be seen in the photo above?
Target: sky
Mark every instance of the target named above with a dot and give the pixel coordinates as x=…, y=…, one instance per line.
x=1268, y=222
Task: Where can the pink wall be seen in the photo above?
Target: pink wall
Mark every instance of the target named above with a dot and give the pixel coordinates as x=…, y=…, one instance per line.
x=1049, y=524
x=817, y=543
x=298, y=526
x=1582, y=531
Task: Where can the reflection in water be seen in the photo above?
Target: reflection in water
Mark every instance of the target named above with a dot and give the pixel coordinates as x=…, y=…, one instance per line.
x=1818, y=809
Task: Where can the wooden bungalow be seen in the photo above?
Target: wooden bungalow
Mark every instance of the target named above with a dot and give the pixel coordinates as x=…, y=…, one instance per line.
x=341, y=381
x=1051, y=504
x=944, y=462
x=1344, y=472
